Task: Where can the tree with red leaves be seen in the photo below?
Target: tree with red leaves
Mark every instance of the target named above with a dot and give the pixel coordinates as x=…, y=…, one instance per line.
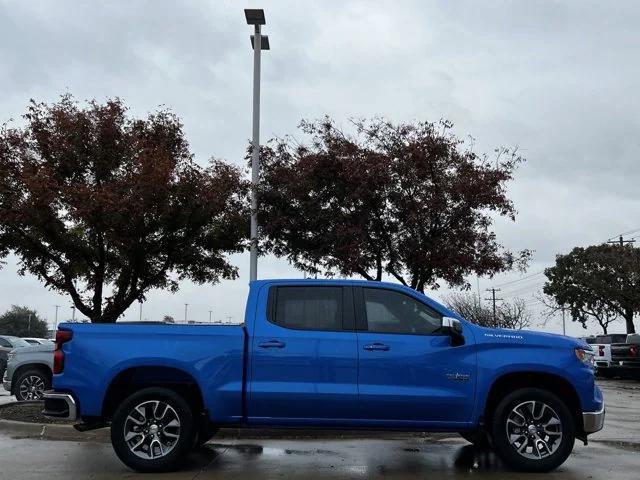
x=105, y=207
x=406, y=200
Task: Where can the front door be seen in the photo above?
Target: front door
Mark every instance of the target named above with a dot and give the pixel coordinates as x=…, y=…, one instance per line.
x=408, y=371
x=304, y=357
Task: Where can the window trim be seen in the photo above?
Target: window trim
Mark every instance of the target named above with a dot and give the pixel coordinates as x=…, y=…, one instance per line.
x=347, y=307
x=362, y=325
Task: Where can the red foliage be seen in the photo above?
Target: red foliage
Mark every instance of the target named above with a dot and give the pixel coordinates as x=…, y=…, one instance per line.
x=402, y=199
x=105, y=207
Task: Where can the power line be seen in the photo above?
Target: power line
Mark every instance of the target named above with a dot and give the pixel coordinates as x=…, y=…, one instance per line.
x=626, y=233
x=520, y=279
x=621, y=241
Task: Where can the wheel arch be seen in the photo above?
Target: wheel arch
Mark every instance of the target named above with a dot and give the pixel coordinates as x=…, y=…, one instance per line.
x=509, y=382
x=132, y=379
x=25, y=367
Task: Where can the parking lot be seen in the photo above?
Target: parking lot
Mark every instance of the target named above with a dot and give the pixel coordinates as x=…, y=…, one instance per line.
x=613, y=453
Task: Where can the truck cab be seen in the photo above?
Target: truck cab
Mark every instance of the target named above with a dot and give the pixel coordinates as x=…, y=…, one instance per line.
x=328, y=354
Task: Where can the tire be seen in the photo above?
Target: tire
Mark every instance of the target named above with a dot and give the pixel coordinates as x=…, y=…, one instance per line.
x=31, y=385
x=478, y=439
x=554, y=417
x=149, y=418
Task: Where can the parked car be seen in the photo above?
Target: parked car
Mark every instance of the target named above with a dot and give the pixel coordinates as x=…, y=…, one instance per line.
x=8, y=343
x=327, y=354
x=37, y=341
x=627, y=355
x=602, y=349
x=29, y=371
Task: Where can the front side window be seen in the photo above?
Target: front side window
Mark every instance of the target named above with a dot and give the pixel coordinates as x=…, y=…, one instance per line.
x=308, y=308
x=389, y=311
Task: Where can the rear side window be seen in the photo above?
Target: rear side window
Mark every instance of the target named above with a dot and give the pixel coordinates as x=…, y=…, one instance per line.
x=5, y=343
x=389, y=311
x=307, y=308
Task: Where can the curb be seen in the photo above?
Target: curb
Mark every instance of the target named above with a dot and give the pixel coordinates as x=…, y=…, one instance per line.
x=50, y=431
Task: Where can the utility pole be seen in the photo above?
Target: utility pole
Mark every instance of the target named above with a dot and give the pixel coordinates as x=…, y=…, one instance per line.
x=73, y=313
x=29, y=325
x=493, y=299
x=259, y=42
x=185, y=312
x=564, y=325
x=621, y=241
x=140, y=311
x=210, y=315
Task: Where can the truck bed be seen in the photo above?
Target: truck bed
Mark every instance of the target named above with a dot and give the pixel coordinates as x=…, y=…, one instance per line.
x=213, y=355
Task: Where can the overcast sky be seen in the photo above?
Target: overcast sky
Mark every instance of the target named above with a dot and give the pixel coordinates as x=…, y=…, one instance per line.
x=558, y=79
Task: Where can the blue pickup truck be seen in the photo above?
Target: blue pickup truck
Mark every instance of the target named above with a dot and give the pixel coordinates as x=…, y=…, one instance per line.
x=329, y=354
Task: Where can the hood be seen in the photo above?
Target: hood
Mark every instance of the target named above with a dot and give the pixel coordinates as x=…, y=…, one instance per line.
x=45, y=347
x=527, y=337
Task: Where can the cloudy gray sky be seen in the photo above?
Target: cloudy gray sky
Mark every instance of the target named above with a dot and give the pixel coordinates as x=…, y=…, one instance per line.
x=558, y=79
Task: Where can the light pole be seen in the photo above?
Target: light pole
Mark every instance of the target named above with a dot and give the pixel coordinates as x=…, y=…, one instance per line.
x=259, y=42
x=185, y=312
x=55, y=326
x=73, y=313
x=210, y=311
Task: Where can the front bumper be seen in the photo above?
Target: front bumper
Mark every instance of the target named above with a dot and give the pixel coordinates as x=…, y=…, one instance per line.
x=6, y=381
x=593, y=421
x=59, y=405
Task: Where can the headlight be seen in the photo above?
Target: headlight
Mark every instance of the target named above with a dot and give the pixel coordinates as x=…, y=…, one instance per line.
x=585, y=356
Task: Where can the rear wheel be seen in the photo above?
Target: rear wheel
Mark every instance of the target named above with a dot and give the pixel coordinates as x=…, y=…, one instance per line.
x=152, y=430
x=533, y=430
x=31, y=385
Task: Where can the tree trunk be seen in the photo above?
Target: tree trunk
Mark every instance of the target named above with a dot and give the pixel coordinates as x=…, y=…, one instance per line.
x=628, y=318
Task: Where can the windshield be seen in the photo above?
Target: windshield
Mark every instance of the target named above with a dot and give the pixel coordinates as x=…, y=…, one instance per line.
x=18, y=342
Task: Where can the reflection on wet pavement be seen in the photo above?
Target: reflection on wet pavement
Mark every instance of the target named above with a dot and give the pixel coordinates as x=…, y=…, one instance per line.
x=613, y=454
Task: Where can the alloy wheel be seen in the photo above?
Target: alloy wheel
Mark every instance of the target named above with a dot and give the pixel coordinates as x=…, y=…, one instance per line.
x=534, y=429
x=152, y=429
x=31, y=388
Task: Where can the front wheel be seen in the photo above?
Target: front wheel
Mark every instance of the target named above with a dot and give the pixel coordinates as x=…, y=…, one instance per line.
x=533, y=430
x=152, y=430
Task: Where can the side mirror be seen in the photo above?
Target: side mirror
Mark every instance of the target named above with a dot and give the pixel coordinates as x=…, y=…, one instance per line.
x=453, y=327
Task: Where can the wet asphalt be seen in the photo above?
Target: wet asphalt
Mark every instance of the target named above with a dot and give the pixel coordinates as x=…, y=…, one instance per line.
x=612, y=454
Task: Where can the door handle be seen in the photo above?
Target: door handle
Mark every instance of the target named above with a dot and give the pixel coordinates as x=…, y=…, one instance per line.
x=272, y=344
x=377, y=347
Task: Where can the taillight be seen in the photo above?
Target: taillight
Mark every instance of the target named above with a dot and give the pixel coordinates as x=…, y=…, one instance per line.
x=633, y=350
x=601, y=350
x=62, y=336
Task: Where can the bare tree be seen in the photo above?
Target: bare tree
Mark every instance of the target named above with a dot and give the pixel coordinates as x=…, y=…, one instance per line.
x=597, y=313
x=513, y=314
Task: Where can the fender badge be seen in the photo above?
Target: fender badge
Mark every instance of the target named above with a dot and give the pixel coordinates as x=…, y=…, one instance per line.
x=459, y=377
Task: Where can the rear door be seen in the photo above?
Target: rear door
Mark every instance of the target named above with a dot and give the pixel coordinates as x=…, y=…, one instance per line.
x=408, y=372
x=304, y=356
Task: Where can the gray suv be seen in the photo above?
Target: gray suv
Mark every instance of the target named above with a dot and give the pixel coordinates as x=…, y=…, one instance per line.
x=29, y=371
x=8, y=343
